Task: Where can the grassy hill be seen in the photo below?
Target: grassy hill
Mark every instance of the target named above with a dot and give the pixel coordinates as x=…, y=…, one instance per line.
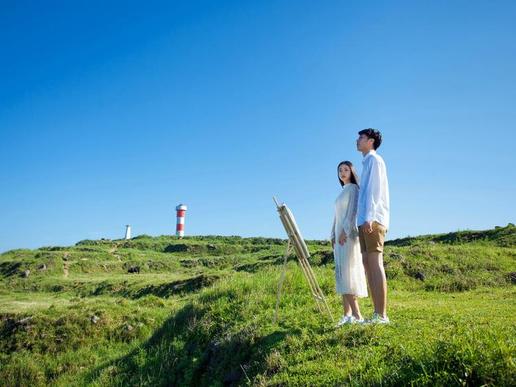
x=499, y=236
x=198, y=311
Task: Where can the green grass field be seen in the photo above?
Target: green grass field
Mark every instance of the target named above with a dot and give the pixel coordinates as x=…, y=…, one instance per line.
x=199, y=311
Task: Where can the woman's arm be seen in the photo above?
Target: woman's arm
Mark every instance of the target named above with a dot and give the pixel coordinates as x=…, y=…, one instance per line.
x=332, y=235
x=349, y=223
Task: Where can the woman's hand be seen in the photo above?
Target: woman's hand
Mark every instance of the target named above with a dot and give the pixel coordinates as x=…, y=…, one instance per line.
x=342, y=238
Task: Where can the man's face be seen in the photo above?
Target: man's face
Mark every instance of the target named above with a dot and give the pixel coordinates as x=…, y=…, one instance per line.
x=364, y=143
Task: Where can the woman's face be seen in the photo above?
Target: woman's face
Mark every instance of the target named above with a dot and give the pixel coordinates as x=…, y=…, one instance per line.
x=345, y=173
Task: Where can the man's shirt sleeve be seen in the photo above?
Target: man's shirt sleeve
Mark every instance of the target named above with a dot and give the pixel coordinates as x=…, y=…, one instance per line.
x=372, y=194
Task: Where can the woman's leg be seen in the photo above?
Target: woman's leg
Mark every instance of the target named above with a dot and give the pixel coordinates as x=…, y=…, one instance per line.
x=347, y=307
x=353, y=304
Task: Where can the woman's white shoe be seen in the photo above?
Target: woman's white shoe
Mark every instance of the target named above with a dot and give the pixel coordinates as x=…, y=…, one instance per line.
x=344, y=320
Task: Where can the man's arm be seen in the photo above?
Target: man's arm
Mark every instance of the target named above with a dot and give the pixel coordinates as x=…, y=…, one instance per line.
x=372, y=194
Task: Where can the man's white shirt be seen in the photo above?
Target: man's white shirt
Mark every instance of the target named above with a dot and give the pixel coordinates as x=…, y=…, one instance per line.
x=373, y=198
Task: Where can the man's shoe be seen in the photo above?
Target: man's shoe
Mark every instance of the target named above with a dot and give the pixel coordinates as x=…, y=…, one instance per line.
x=377, y=319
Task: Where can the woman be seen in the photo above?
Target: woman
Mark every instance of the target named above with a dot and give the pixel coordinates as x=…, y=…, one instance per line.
x=349, y=270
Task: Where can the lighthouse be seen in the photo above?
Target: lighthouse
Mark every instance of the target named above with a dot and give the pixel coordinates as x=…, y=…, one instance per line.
x=128, y=231
x=180, y=225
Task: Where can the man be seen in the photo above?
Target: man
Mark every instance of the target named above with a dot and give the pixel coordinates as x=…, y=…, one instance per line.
x=373, y=219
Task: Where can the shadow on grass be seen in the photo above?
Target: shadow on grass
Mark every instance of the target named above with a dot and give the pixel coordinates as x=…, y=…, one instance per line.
x=264, y=262
x=165, y=290
x=192, y=349
x=9, y=269
x=183, y=286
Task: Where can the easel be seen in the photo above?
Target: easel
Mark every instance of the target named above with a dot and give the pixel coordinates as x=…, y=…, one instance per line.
x=296, y=242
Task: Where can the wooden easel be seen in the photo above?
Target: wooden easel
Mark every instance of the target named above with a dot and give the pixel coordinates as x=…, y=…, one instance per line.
x=296, y=242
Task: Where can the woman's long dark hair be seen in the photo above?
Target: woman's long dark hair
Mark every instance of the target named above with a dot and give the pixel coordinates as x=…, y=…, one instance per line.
x=354, y=176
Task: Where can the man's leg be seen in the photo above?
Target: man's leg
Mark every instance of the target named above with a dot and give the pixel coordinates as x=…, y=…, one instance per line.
x=365, y=261
x=377, y=282
x=372, y=257
x=363, y=249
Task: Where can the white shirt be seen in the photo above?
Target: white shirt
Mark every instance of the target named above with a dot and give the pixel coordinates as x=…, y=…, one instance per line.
x=373, y=198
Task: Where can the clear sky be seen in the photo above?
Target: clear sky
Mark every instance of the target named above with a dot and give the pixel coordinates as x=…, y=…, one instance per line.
x=112, y=113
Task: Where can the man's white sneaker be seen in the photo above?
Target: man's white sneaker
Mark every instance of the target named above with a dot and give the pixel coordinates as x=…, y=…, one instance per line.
x=377, y=319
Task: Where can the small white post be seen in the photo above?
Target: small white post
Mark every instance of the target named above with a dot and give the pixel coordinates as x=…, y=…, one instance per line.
x=128, y=231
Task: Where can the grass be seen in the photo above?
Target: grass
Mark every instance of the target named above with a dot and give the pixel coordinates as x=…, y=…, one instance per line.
x=198, y=311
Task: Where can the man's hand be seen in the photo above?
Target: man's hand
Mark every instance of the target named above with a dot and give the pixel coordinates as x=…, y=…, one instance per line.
x=342, y=238
x=368, y=227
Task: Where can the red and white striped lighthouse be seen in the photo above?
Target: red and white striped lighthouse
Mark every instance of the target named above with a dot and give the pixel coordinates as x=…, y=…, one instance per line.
x=180, y=226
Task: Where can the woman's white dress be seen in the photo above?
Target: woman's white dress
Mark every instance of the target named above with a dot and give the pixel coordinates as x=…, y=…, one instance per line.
x=349, y=269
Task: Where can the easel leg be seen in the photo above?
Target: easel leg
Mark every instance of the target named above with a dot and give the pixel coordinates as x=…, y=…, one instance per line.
x=280, y=283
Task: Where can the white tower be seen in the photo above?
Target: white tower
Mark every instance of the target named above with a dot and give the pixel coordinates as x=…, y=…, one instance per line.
x=128, y=231
x=180, y=225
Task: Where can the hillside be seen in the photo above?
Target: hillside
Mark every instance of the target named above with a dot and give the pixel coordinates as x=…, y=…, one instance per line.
x=198, y=311
x=499, y=236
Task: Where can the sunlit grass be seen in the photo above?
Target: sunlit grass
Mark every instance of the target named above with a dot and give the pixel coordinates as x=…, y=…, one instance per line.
x=200, y=312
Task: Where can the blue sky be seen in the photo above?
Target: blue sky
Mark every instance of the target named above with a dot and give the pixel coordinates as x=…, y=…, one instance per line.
x=112, y=113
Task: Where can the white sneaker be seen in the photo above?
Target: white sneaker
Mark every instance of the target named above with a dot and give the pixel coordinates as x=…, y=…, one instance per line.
x=357, y=321
x=377, y=319
x=345, y=320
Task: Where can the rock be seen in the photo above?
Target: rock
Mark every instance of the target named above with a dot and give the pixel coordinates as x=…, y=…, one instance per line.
x=24, y=324
x=26, y=273
x=512, y=276
x=420, y=276
x=94, y=319
x=66, y=256
x=42, y=267
x=24, y=321
x=212, y=247
x=129, y=328
x=134, y=269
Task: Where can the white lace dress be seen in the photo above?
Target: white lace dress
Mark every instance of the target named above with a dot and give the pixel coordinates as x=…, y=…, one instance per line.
x=349, y=269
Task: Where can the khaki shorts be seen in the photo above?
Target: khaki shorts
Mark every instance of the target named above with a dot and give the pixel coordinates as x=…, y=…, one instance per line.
x=372, y=243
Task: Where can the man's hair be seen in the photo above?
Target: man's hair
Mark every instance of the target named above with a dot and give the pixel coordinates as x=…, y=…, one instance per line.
x=374, y=134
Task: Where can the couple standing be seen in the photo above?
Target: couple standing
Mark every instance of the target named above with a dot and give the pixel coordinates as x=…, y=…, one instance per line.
x=358, y=233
